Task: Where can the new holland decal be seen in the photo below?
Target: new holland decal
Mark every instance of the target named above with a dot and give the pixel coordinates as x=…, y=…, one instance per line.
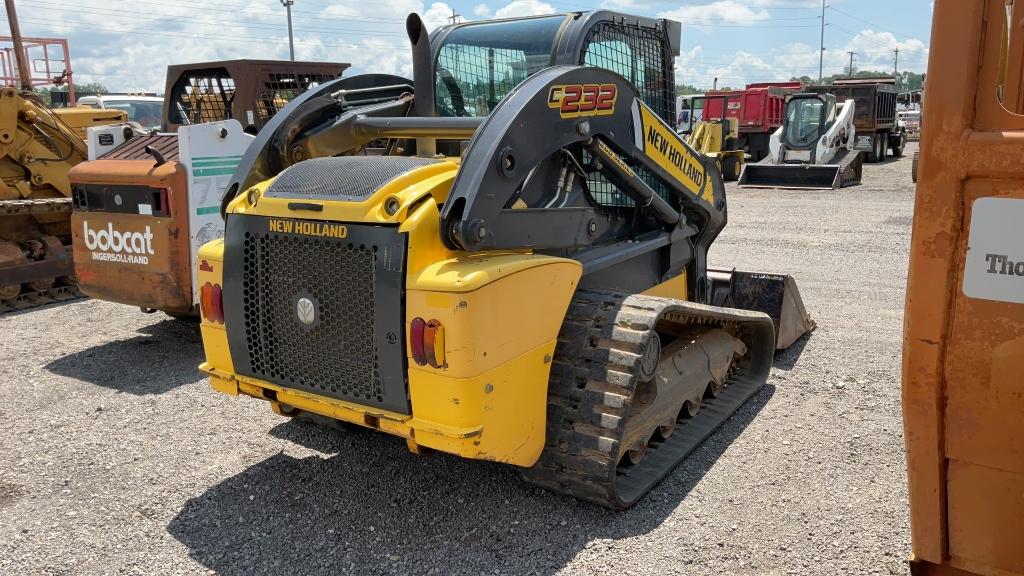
x=663, y=145
x=583, y=100
x=306, y=228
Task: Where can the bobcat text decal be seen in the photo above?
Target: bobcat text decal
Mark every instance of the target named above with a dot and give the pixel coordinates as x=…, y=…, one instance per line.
x=111, y=245
x=580, y=100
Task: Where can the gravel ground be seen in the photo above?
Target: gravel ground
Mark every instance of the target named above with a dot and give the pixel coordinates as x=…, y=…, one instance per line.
x=117, y=458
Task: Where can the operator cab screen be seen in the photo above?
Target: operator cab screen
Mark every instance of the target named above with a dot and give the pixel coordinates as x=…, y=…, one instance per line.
x=479, y=64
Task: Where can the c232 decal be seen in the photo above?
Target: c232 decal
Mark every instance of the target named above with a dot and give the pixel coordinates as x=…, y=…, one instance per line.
x=583, y=100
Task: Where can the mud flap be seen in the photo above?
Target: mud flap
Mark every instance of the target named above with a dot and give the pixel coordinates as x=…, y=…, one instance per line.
x=774, y=294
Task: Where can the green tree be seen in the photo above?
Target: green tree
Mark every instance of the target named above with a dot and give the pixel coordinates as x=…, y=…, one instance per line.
x=684, y=89
x=905, y=80
x=91, y=88
x=87, y=89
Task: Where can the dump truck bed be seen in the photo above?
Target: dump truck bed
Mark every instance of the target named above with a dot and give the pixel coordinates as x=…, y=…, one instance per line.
x=875, y=103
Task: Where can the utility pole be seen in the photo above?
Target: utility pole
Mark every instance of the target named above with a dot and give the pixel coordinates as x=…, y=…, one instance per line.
x=821, y=52
x=20, y=57
x=852, y=54
x=896, y=63
x=454, y=18
x=291, y=41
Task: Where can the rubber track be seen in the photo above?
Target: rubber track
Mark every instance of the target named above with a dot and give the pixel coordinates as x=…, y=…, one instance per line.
x=34, y=206
x=27, y=300
x=593, y=377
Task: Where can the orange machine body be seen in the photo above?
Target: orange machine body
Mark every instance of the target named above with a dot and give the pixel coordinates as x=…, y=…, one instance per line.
x=963, y=390
x=143, y=208
x=132, y=246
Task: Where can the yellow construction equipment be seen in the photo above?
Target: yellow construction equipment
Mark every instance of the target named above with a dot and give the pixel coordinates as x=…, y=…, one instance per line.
x=718, y=139
x=38, y=146
x=504, y=258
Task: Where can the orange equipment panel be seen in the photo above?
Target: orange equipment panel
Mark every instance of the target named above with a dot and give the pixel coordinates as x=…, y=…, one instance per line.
x=963, y=385
x=130, y=233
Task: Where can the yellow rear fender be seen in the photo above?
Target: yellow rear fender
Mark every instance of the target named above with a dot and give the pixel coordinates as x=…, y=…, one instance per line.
x=500, y=314
x=215, y=338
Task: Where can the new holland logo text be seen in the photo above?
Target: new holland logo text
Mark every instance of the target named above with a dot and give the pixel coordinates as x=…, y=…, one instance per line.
x=1001, y=264
x=674, y=155
x=111, y=245
x=325, y=229
x=580, y=100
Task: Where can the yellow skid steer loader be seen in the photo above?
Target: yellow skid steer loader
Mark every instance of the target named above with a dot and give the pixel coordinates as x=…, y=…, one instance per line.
x=516, y=273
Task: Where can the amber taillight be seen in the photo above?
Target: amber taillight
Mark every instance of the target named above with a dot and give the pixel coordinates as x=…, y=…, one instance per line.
x=211, y=301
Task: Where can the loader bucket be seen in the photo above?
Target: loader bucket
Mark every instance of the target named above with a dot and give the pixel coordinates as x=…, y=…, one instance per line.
x=844, y=171
x=799, y=176
x=774, y=294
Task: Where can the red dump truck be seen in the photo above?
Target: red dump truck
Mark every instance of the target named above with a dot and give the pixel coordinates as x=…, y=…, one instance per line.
x=758, y=110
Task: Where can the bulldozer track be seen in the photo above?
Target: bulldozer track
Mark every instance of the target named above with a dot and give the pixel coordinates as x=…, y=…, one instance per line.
x=33, y=299
x=34, y=206
x=595, y=374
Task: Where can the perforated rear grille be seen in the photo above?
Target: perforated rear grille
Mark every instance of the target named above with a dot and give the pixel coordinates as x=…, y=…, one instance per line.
x=351, y=178
x=348, y=344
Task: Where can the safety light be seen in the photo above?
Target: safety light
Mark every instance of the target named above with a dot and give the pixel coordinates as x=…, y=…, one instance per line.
x=416, y=328
x=211, y=301
x=426, y=338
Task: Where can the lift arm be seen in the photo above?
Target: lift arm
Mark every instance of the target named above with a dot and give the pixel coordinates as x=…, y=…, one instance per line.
x=560, y=108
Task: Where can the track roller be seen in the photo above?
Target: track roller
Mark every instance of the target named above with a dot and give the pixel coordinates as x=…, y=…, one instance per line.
x=618, y=420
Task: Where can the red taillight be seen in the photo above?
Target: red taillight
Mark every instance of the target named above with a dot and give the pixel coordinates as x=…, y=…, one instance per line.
x=416, y=340
x=427, y=342
x=211, y=301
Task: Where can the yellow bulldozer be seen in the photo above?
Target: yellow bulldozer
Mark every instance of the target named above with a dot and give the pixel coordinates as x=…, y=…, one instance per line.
x=504, y=258
x=38, y=146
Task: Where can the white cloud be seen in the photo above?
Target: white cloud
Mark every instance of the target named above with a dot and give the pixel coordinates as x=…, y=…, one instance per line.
x=130, y=49
x=438, y=15
x=728, y=11
x=628, y=6
x=738, y=68
x=875, y=51
x=524, y=8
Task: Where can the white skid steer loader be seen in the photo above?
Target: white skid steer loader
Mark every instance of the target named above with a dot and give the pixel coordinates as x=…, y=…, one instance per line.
x=813, y=149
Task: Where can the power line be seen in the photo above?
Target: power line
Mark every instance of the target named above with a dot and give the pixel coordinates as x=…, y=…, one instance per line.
x=244, y=39
x=219, y=24
x=861, y=35
x=233, y=9
x=871, y=23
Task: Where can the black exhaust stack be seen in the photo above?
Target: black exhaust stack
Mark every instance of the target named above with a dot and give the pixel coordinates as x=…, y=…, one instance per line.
x=423, y=79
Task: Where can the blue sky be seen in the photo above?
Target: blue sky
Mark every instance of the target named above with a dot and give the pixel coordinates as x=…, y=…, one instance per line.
x=127, y=44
